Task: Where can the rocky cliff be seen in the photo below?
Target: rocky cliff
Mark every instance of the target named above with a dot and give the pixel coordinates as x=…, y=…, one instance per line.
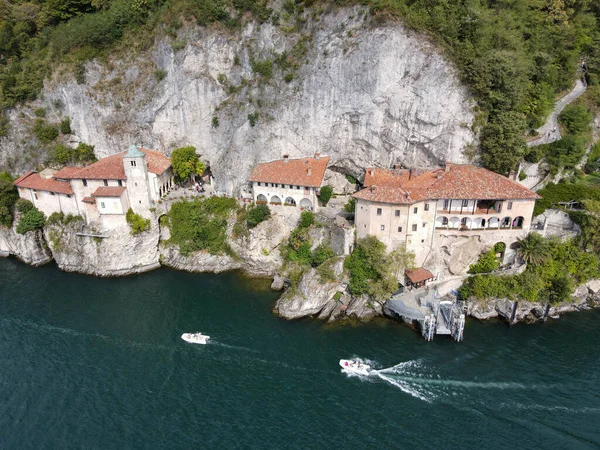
x=365, y=93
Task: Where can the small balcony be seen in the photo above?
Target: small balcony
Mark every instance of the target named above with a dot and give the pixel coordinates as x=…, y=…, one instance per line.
x=458, y=223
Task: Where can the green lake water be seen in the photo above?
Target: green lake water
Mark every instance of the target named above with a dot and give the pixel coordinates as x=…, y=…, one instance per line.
x=99, y=363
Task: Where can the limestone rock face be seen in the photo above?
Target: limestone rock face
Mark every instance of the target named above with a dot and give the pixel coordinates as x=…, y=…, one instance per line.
x=364, y=93
x=30, y=247
x=313, y=296
x=116, y=255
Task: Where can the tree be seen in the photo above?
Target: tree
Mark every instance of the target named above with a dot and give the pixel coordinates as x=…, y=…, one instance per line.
x=350, y=206
x=258, y=214
x=325, y=194
x=186, y=163
x=8, y=198
x=401, y=259
x=533, y=249
x=32, y=219
x=502, y=142
x=137, y=223
x=307, y=218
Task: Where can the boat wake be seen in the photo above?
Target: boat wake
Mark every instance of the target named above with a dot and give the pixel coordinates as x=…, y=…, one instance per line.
x=413, y=378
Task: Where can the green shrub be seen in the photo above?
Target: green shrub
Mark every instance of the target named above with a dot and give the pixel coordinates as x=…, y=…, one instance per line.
x=500, y=247
x=160, y=74
x=55, y=218
x=307, y=218
x=253, y=118
x=44, y=132
x=522, y=175
x=321, y=254
x=371, y=271
x=137, y=223
x=350, y=205
x=40, y=112
x=593, y=162
x=24, y=206
x=8, y=198
x=552, y=194
x=63, y=155
x=576, y=119
x=30, y=220
x=262, y=67
x=486, y=263
x=6, y=176
x=257, y=214
x=200, y=224
x=351, y=179
x=325, y=194
x=65, y=126
x=215, y=122
x=551, y=280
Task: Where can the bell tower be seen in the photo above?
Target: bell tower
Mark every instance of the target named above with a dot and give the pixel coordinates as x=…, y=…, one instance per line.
x=136, y=171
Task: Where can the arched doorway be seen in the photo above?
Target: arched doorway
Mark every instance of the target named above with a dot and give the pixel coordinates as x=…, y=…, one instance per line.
x=493, y=222
x=261, y=199
x=506, y=222
x=306, y=204
x=465, y=223
x=518, y=222
x=441, y=222
x=275, y=200
x=290, y=201
x=454, y=223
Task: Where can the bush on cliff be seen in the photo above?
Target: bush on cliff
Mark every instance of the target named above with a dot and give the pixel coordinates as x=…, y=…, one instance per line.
x=373, y=271
x=325, y=194
x=200, y=225
x=486, y=263
x=307, y=218
x=8, y=198
x=257, y=214
x=31, y=219
x=547, y=280
x=137, y=223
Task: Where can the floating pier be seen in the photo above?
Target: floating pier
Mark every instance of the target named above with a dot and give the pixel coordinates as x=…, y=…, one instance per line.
x=434, y=315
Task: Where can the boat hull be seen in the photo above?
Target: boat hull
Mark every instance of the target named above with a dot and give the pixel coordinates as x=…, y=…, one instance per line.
x=355, y=367
x=195, y=338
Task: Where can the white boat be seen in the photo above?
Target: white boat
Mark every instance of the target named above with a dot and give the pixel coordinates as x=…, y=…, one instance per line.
x=195, y=338
x=355, y=366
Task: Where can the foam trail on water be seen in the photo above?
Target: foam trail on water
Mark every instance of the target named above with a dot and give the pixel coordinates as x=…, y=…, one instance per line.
x=406, y=388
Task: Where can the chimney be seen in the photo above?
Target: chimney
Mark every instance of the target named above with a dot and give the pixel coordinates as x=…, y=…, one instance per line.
x=447, y=167
x=309, y=171
x=317, y=156
x=397, y=166
x=371, y=172
x=286, y=157
x=512, y=175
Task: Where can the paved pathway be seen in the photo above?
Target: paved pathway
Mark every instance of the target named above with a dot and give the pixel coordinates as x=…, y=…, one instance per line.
x=549, y=132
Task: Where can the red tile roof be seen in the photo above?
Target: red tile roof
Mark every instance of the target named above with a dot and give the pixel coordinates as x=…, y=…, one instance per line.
x=89, y=200
x=419, y=275
x=297, y=171
x=456, y=181
x=67, y=173
x=32, y=180
x=111, y=167
x=109, y=191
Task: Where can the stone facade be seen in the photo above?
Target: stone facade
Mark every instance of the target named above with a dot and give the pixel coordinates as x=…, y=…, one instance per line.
x=102, y=192
x=389, y=212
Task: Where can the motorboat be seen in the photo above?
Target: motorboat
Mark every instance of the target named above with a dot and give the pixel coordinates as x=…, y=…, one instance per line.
x=355, y=366
x=195, y=338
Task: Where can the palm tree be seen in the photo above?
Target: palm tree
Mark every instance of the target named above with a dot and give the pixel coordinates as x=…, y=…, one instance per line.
x=533, y=249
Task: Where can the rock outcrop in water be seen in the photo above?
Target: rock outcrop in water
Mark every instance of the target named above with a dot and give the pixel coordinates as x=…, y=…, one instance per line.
x=364, y=93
